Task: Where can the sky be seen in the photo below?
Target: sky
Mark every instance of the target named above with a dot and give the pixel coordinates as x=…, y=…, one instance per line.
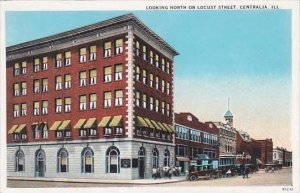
x=241, y=55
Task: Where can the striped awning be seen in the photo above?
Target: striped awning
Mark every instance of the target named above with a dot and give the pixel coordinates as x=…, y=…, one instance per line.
x=116, y=121
x=89, y=123
x=104, y=121
x=20, y=128
x=79, y=124
x=140, y=122
x=55, y=125
x=149, y=123
x=12, y=129
x=171, y=127
x=162, y=126
x=155, y=124
x=65, y=124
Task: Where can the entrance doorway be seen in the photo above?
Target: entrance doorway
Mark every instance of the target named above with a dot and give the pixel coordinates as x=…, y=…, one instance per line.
x=142, y=158
x=40, y=164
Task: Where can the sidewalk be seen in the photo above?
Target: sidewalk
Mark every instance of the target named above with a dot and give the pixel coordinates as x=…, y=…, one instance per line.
x=101, y=181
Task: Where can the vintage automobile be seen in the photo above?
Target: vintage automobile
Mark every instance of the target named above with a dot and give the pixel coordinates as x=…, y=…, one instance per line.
x=270, y=168
x=200, y=172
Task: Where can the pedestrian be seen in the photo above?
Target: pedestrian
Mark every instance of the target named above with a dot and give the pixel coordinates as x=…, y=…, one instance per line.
x=170, y=173
x=154, y=173
x=228, y=173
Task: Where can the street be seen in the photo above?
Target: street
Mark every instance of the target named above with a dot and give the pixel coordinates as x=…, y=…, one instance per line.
x=281, y=177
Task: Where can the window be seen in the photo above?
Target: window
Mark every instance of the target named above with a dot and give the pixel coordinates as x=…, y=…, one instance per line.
x=17, y=69
x=144, y=76
x=118, y=98
x=67, y=81
x=157, y=83
x=155, y=157
x=82, y=102
x=87, y=160
x=163, y=64
x=59, y=134
x=67, y=104
x=168, y=68
x=82, y=78
x=58, y=82
x=24, y=67
x=93, y=53
x=36, y=131
x=167, y=158
x=113, y=160
x=23, y=109
x=62, y=160
x=16, y=110
x=156, y=60
x=137, y=98
x=118, y=130
x=58, y=61
x=93, y=131
x=44, y=107
x=145, y=53
x=151, y=57
x=151, y=80
x=93, y=74
x=137, y=73
x=144, y=101
x=36, y=108
x=156, y=105
x=82, y=56
x=168, y=109
x=68, y=58
x=163, y=110
x=107, y=49
x=107, y=131
x=24, y=88
x=119, y=46
x=118, y=72
x=151, y=103
x=45, y=84
x=168, y=88
x=45, y=63
x=20, y=161
x=93, y=100
x=107, y=74
x=137, y=48
x=58, y=105
x=107, y=99
x=16, y=89
x=36, y=86
x=83, y=133
x=36, y=66
x=162, y=85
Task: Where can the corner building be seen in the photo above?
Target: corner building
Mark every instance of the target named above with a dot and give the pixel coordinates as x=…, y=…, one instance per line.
x=93, y=102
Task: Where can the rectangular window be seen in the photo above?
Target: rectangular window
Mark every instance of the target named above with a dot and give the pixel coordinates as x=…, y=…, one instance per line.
x=24, y=88
x=93, y=101
x=58, y=82
x=107, y=99
x=23, y=109
x=151, y=57
x=107, y=131
x=36, y=86
x=36, y=132
x=163, y=107
x=93, y=75
x=82, y=78
x=163, y=86
x=144, y=101
x=118, y=72
x=145, y=53
x=67, y=81
x=36, y=108
x=16, y=110
x=45, y=84
x=44, y=107
x=17, y=69
x=168, y=68
x=82, y=56
x=157, y=83
x=151, y=101
x=107, y=49
x=67, y=104
x=156, y=60
x=24, y=67
x=151, y=80
x=163, y=64
x=137, y=48
x=16, y=89
x=82, y=102
x=118, y=130
x=45, y=63
x=36, y=66
x=168, y=109
x=58, y=105
x=137, y=98
x=137, y=73
x=118, y=98
x=119, y=46
x=58, y=61
x=107, y=74
x=168, y=88
x=59, y=134
x=68, y=58
x=156, y=105
x=144, y=76
x=93, y=52
x=83, y=133
x=93, y=131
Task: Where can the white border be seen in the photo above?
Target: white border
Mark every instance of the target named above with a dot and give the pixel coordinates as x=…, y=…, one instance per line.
x=141, y=5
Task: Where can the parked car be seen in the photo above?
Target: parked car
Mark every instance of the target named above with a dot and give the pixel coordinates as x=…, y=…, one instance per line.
x=196, y=173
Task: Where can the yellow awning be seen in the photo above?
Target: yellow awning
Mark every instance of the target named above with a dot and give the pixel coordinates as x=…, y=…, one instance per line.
x=156, y=125
x=64, y=125
x=116, y=121
x=140, y=122
x=149, y=123
x=12, y=129
x=161, y=126
x=80, y=123
x=20, y=128
x=171, y=127
x=104, y=121
x=55, y=125
x=89, y=123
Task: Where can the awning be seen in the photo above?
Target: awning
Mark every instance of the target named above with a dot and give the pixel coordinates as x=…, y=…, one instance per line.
x=161, y=126
x=183, y=159
x=140, y=122
x=55, y=125
x=64, y=125
x=79, y=124
x=155, y=124
x=167, y=127
x=171, y=127
x=149, y=123
x=258, y=161
x=104, y=121
x=12, y=129
x=20, y=128
x=89, y=123
x=116, y=121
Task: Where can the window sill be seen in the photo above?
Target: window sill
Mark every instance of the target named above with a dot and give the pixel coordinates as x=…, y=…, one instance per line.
x=118, y=134
x=107, y=135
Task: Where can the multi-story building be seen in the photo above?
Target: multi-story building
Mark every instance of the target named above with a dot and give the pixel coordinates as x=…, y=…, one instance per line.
x=93, y=102
x=287, y=158
x=278, y=156
x=266, y=151
x=243, y=147
x=193, y=139
x=227, y=138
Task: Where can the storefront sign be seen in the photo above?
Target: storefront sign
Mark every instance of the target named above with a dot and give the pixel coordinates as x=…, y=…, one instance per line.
x=125, y=163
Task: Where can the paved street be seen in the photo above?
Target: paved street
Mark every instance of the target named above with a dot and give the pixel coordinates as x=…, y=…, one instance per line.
x=282, y=177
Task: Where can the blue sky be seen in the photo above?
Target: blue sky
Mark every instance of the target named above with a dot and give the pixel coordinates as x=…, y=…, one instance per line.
x=244, y=55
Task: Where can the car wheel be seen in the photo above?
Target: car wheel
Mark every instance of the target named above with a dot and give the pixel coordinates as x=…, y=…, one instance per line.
x=193, y=178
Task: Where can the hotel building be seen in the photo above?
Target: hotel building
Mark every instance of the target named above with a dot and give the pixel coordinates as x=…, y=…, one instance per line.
x=93, y=102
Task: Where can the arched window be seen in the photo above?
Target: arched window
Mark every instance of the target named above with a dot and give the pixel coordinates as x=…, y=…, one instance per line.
x=155, y=160
x=142, y=152
x=167, y=158
x=20, y=161
x=62, y=160
x=87, y=160
x=113, y=160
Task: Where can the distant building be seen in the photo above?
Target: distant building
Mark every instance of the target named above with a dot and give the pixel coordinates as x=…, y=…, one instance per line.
x=243, y=148
x=278, y=156
x=266, y=151
x=287, y=158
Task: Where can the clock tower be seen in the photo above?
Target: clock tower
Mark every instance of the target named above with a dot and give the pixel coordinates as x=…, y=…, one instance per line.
x=228, y=117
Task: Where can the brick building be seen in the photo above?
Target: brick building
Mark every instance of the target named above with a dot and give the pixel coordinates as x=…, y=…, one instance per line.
x=266, y=151
x=93, y=102
x=193, y=139
x=243, y=147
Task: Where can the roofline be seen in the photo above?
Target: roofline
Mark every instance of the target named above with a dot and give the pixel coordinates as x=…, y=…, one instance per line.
x=91, y=27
